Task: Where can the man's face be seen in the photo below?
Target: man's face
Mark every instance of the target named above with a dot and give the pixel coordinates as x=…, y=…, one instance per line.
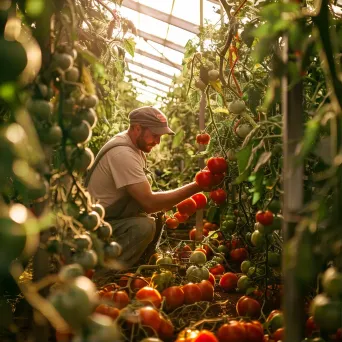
x=147, y=140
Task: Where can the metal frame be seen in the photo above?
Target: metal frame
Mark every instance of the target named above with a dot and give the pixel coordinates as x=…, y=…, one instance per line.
x=151, y=86
x=149, y=78
x=161, y=41
x=131, y=61
x=159, y=59
x=162, y=16
x=292, y=108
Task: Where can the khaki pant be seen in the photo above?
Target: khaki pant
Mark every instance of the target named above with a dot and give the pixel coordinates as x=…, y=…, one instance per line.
x=134, y=234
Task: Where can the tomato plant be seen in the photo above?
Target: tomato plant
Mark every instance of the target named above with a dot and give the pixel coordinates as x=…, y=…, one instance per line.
x=150, y=317
x=205, y=336
x=231, y=332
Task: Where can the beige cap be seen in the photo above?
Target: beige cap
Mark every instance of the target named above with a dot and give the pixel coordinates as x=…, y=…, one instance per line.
x=152, y=118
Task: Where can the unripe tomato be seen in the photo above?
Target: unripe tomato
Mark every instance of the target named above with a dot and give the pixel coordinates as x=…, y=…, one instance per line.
x=218, y=196
x=203, y=138
x=264, y=217
x=217, y=165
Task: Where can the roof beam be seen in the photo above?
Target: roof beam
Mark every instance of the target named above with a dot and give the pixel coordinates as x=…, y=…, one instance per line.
x=151, y=86
x=161, y=41
x=159, y=59
x=149, y=68
x=150, y=78
x=216, y=2
x=169, y=19
x=148, y=91
x=156, y=88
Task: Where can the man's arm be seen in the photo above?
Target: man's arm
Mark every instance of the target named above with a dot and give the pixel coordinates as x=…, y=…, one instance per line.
x=152, y=202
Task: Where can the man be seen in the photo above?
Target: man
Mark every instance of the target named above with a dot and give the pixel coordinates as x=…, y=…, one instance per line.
x=118, y=180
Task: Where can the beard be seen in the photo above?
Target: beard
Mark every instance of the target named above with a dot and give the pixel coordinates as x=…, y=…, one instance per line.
x=142, y=145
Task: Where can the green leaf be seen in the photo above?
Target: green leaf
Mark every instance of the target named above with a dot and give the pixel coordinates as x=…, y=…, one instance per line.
x=256, y=197
x=242, y=177
x=243, y=157
x=178, y=138
x=263, y=159
x=88, y=56
x=129, y=45
x=221, y=110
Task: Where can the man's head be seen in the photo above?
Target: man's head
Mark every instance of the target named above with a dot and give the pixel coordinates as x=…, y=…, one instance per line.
x=148, y=124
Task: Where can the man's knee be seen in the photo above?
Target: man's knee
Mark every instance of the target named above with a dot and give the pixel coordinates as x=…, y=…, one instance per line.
x=147, y=228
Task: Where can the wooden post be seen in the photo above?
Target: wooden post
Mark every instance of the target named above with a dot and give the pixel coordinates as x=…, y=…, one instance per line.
x=292, y=107
x=201, y=117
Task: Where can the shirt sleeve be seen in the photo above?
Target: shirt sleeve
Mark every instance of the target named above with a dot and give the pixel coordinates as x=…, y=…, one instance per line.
x=126, y=167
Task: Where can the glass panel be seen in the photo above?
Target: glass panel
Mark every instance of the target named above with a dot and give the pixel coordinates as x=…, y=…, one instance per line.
x=163, y=6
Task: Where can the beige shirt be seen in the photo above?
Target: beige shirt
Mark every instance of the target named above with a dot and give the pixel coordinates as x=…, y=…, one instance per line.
x=119, y=167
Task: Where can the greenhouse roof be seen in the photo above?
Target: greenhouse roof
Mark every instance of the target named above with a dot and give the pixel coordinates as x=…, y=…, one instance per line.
x=163, y=29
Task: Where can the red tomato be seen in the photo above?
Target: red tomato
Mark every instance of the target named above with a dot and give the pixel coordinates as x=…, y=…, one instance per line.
x=247, y=306
x=217, y=269
x=150, y=317
x=119, y=299
x=148, y=295
x=102, y=309
x=264, y=217
x=236, y=243
x=219, y=196
x=174, y=297
x=209, y=226
x=89, y=273
x=218, y=178
x=203, y=138
x=310, y=326
x=113, y=312
x=207, y=290
x=231, y=332
x=205, y=336
x=188, y=206
x=278, y=335
x=181, y=217
x=172, y=223
x=212, y=279
x=184, y=252
x=192, y=233
x=217, y=165
x=192, y=293
x=239, y=254
x=253, y=333
x=228, y=281
x=166, y=329
x=207, y=249
x=200, y=199
x=204, y=179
